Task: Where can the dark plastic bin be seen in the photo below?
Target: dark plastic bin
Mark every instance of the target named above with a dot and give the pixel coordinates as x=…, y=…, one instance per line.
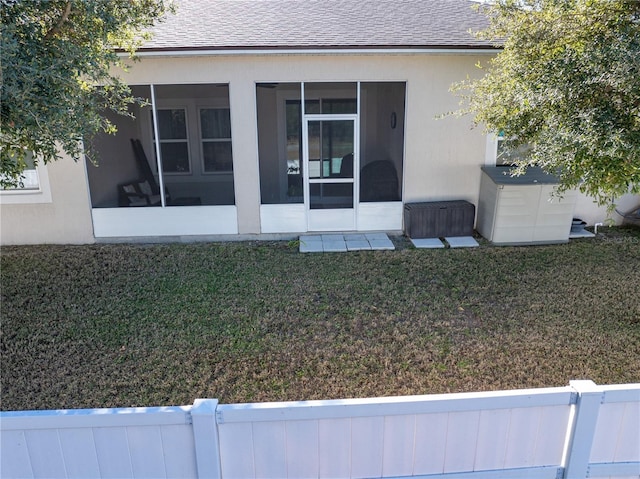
x=439, y=219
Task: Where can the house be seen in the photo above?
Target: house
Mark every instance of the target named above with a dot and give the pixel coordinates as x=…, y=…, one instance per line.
x=272, y=118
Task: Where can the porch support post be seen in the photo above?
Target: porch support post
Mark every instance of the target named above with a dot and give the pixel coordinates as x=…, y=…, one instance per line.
x=244, y=141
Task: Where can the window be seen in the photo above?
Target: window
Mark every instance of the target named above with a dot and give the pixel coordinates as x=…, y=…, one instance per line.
x=215, y=130
x=29, y=178
x=33, y=186
x=506, y=157
x=174, y=141
x=28, y=181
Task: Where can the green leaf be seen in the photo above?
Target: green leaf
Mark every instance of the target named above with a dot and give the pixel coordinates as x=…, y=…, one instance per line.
x=57, y=59
x=567, y=83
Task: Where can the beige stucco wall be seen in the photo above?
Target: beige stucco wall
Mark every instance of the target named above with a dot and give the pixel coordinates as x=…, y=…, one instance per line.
x=65, y=220
x=589, y=211
x=442, y=157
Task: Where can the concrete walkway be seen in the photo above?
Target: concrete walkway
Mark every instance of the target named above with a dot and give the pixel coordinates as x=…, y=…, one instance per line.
x=334, y=243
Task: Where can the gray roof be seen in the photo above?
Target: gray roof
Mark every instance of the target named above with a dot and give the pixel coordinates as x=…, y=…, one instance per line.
x=318, y=24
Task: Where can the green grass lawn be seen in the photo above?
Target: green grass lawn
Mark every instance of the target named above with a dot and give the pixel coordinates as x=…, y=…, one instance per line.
x=141, y=325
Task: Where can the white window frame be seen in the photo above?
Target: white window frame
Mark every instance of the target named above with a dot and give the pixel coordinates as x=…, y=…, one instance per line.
x=42, y=194
x=491, y=151
x=203, y=140
x=186, y=140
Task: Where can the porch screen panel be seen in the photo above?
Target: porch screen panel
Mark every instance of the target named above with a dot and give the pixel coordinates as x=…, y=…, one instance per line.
x=216, y=139
x=195, y=148
x=174, y=140
x=198, y=164
x=331, y=97
x=382, y=112
x=121, y=168
x=279, y=116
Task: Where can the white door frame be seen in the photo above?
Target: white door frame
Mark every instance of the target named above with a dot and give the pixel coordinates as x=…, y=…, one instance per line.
x=342, y=219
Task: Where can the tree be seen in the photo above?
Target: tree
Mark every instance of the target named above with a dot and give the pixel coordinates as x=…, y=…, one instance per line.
x=567, y=83
x=57, y=58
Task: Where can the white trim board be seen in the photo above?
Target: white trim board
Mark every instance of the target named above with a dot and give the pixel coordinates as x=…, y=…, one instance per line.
x=283, y=218
x=169, y=221
x=290, y=217
x=380, y=216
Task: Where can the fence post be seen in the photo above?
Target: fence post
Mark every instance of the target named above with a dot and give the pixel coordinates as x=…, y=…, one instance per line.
x=205, y=434
x=583, y=429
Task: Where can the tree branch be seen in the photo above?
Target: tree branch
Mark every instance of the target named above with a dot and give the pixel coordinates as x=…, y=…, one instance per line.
x=58, y=25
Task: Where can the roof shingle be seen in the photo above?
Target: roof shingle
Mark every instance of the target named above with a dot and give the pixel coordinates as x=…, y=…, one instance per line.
x=318, y=24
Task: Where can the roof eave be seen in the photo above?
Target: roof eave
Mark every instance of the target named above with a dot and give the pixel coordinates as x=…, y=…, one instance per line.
x=310, y=49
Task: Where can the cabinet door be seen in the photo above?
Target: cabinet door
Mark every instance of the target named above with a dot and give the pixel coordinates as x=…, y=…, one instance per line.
x=553, y=219
x=517, y=209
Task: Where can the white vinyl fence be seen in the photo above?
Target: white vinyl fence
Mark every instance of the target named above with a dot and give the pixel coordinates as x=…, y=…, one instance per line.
x=582, y=430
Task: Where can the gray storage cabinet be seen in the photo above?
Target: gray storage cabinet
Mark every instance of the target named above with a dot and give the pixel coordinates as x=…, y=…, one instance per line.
x=439, y=219
x=523, y=209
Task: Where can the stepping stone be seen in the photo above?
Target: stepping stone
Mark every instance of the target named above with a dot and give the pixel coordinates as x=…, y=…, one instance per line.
x=376, y=236
x=311, y=246
x=461, y=242
x=581, y=234
x=333, y=242
x=355, y=237
x=427, y=243
x=334, y=246
x=381, y=244
x=307, y=238
x=332, y=237
x=358, y=245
